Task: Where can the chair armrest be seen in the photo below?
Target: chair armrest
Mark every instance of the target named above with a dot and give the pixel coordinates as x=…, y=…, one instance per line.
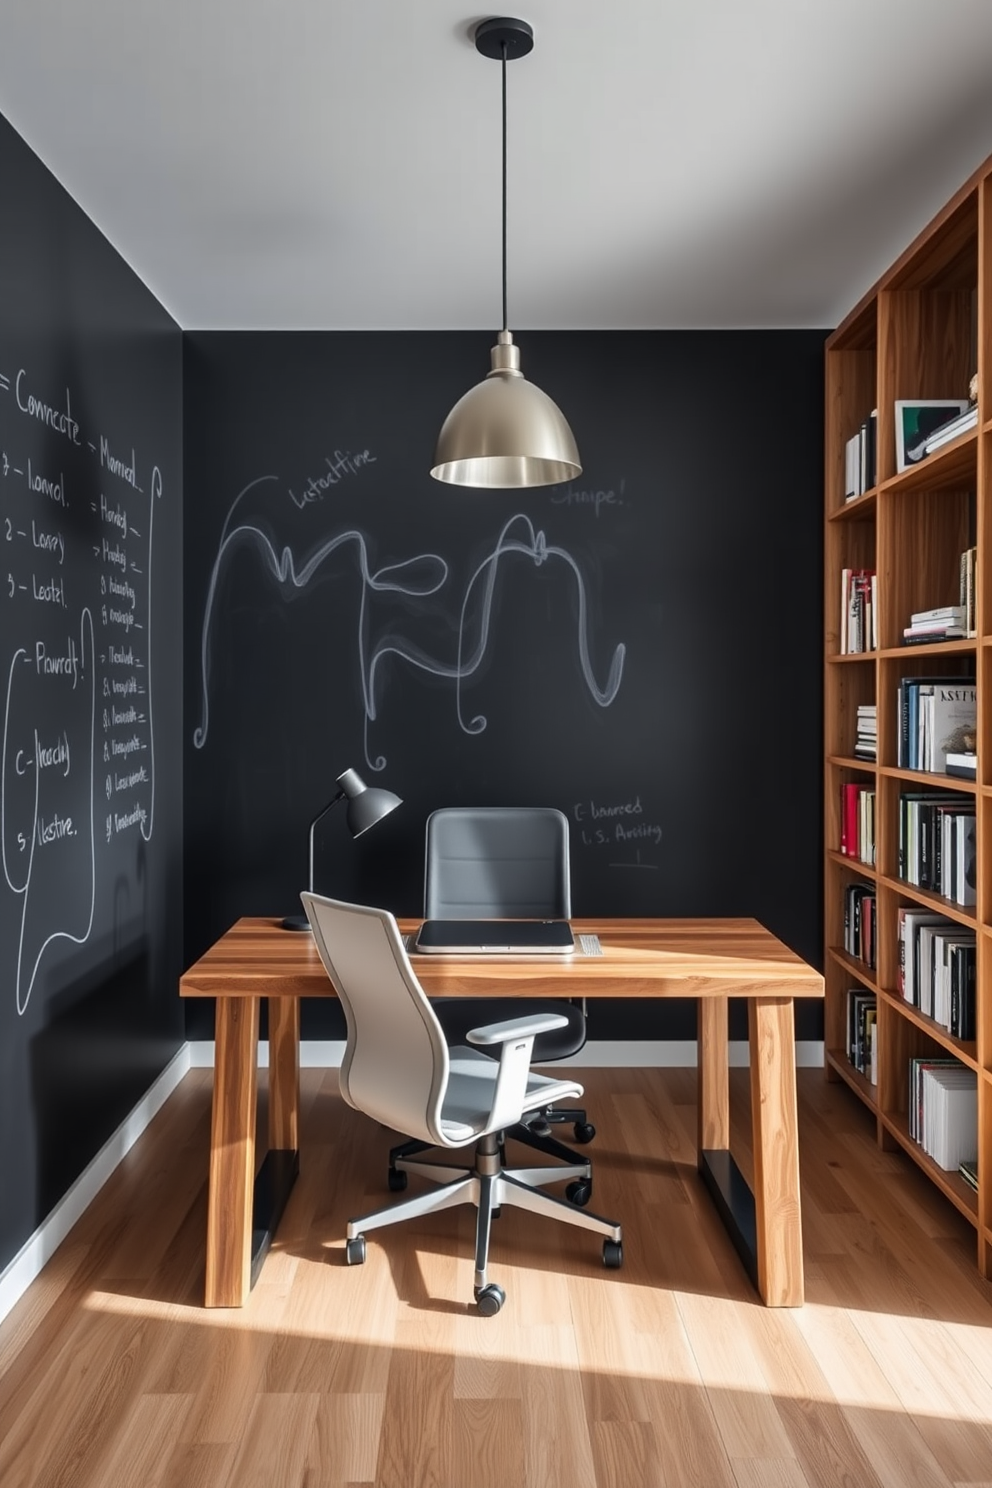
x=516, y=1037
x=526, y=1027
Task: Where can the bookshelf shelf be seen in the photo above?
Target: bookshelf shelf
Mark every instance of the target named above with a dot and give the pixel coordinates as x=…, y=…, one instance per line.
x=953, y=1187
x=961, y=1048
x=920, y=333
x=859, y=509
x=851, y=762
x=862, y=1088
x=924, y=781
x=929, y=900
x=855, y=865
x=944, y=470
x=853, y=967
x=964, y=647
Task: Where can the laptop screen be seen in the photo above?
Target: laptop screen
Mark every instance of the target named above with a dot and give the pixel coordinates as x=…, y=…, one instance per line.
x=494, y=937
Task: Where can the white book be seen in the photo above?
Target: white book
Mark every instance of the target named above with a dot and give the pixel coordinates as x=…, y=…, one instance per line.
x=965, y=849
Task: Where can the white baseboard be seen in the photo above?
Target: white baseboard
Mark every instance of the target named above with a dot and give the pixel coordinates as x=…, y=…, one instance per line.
x=601, y=1054
x=19, y=1273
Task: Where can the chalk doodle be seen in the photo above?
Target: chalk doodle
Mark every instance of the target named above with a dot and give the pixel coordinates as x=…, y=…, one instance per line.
x=421, y=576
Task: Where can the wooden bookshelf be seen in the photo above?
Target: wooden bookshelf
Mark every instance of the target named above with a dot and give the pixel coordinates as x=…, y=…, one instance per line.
x=921, y=332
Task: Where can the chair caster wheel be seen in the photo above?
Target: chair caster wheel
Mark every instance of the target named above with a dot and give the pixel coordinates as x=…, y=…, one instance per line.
x=354, y=1251
x=397, y=1180
x=579, y=1192
x=489, y=1299
x=584, y=1131
x=613, y=1254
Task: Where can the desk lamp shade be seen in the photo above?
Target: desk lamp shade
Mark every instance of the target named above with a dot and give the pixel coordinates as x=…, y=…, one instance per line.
x=504, y=433
x=367, y=804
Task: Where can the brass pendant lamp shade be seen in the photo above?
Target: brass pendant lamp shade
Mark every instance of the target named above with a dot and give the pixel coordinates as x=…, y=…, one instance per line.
x=505, y=433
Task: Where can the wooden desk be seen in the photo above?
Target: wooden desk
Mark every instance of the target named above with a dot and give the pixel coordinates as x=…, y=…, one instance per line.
x=711, y=960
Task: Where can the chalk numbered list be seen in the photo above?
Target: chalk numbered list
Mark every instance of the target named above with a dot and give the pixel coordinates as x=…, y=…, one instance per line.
x=77, y=508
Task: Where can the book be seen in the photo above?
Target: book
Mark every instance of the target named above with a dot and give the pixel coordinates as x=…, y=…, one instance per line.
x=943, y=614
x=955, y=426
x=858, y=611
x=969, y=1172
x=909, y=923
x=953, y=714
x=933, y=633
x=965, y=849
x=966, y=587
x=962, y=763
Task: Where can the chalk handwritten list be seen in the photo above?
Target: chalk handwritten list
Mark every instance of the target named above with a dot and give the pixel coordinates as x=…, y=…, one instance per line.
x=78, y=509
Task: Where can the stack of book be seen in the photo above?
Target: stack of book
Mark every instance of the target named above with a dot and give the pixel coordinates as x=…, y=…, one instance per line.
x=946, y=623
x=858, y=611
x=866, y=743
x=955, y=426
x=937, y=968
x=859, y=923
x=937, y=844
x=857, y=822
x=943, y=1110
x=862, y=1025
x=936, y=716
x=859, y=458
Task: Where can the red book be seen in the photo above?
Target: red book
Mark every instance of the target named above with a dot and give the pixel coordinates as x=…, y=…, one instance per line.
x=850, y=794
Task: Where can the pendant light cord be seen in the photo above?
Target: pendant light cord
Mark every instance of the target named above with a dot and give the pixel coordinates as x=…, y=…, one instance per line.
x=505, y=326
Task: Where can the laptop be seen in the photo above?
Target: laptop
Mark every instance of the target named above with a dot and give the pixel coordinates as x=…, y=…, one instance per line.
x=494, y=937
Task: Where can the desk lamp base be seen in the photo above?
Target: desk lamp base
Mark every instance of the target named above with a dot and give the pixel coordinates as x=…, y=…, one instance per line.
x=296, y=922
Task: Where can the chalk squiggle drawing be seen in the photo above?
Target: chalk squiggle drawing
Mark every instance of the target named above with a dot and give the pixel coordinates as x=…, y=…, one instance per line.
x=517, y=536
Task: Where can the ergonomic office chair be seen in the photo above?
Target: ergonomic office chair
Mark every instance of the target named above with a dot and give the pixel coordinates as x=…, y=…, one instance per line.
x=508, y=862
x=399, y=1069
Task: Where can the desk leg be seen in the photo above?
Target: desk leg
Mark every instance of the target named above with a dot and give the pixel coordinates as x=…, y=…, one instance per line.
x=284, y=1073
x=718, y=1170
x=714, y=1080
x=281, y=1164
x=771, y=1035
x=232, y=1152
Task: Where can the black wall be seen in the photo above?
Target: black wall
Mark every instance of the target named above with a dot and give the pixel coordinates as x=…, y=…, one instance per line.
x=648, y=657
x=90, y=536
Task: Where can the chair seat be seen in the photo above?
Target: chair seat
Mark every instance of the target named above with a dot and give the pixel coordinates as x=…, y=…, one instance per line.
x=469, y=1096
x=457, y=1015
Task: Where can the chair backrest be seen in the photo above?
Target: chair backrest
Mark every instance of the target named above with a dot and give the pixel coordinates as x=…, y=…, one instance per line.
x=395, y=1067
x=497, y=861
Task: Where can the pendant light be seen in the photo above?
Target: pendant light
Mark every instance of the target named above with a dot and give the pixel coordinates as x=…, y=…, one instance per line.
x=505, y=433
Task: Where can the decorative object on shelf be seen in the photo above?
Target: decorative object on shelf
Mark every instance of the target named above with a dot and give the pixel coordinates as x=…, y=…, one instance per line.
x=367, y=804
x=916, y=420
x=505, y=432
x=973, y=388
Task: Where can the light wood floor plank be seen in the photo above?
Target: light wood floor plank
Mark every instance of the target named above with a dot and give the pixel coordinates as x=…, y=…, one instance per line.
x=667, y=1374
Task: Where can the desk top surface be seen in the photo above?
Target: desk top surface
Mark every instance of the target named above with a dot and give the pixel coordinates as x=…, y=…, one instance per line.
x=641, y=958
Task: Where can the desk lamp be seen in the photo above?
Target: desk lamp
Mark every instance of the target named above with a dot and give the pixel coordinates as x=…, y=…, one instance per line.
x=367, y=804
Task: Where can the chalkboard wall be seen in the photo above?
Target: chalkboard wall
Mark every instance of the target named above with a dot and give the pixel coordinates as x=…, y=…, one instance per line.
x=640, y=648
x=90, y=533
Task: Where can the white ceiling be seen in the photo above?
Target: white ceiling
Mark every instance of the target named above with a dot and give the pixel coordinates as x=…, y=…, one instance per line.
x=314, y=164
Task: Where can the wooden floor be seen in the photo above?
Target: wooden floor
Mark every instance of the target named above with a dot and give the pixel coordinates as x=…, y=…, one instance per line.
x=668, y=1372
